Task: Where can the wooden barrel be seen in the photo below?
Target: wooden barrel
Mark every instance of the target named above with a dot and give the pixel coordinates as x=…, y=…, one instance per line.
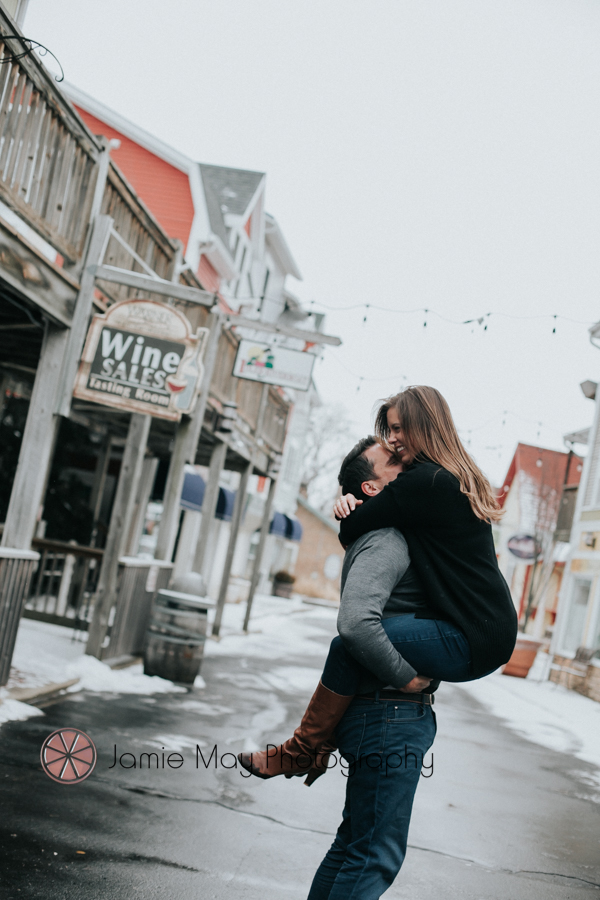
x=175, y=638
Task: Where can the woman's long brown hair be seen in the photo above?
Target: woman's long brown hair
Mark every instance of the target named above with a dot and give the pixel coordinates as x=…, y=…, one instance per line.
x=429, y=432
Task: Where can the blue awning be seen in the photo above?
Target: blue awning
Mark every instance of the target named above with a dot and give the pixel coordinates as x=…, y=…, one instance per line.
x=225, y=504
x=285, y=527
x=278, y=525
x=293, y=531
x=192, y=493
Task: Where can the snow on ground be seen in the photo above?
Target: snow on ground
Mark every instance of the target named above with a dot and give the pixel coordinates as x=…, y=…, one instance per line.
x=278, y=629
x=97, y=676
x=47, y=654
x=543, y=712
x=14, y=711
x=42, y=653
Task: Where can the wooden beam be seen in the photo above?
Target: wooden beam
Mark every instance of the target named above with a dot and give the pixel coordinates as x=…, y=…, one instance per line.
x=28, y=488
x=262, y=541
x=314, y=337
x=236, y=521
x=153, y=285
x=185, y=445
x=209, y=504
x=96, y=249
x=120, y=522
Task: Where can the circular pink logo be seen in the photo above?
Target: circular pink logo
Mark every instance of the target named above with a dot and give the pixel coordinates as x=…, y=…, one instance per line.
x=68, y=756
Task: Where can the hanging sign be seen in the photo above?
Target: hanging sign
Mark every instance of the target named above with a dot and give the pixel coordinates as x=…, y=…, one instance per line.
x=524, y=546
x=142, y=356
x=272, y=364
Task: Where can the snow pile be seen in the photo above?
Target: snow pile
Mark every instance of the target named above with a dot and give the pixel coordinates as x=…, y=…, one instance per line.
x=14, y=710
x=47, y=654
x=542, y=712
x=97, y=676
x=42, y=652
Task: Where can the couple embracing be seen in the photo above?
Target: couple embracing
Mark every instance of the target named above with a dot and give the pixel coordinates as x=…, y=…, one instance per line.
x=422, y=601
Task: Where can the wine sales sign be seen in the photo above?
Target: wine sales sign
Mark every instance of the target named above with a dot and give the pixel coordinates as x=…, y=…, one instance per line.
x=142, y=356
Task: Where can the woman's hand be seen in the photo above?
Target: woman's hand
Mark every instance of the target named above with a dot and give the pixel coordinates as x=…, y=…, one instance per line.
x=417, y=685
x=344, y=506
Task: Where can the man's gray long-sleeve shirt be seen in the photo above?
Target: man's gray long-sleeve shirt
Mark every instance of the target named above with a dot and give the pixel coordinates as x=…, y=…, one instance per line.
x=378, y=582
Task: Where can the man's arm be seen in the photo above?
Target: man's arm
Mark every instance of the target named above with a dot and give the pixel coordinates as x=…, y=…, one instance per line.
x=378, y=567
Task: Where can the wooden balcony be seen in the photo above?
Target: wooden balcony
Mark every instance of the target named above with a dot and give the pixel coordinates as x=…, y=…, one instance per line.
x=48, y=158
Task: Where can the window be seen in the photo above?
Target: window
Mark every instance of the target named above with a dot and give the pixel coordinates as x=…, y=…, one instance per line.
x=576, y=615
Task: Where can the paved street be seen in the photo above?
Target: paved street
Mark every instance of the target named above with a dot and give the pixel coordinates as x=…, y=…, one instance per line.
x=500, y=818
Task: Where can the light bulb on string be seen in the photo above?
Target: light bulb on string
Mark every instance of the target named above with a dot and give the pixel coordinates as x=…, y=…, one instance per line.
x=365, y=316
x=425, y=322
x=554, y=329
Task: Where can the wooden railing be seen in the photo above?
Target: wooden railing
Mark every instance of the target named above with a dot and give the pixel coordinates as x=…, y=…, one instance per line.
x=139, y=231
x=48, y=158
x=63, y=584
x=276, y=415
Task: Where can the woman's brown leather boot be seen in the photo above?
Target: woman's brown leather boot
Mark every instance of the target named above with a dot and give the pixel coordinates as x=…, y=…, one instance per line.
x=306, y=750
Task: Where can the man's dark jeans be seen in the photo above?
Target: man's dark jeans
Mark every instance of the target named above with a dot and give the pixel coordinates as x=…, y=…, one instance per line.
x=384, y=744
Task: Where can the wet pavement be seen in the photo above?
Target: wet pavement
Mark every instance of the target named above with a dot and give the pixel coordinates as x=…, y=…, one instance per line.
x=499, y=819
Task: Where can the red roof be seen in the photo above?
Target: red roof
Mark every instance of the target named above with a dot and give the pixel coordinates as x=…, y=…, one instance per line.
x=551, y=468
x=164, y=189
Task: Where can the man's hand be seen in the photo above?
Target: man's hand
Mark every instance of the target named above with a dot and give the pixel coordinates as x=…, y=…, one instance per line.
x=418, y=684
x=344, y=506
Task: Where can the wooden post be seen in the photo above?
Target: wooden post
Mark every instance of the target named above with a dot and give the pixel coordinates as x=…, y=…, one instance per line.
x=83, y=309
x=264, y=533
x=142, y=496
x=99, y=483
x=209, y=504
x=236, y=521
x=186, y=443
x=27, y=495
x=131, y=470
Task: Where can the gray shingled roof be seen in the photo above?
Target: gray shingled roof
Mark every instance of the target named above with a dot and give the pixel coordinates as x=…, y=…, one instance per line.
x=227, y=191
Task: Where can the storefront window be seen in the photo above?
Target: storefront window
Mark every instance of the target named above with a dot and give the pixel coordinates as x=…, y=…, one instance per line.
x=577, y=616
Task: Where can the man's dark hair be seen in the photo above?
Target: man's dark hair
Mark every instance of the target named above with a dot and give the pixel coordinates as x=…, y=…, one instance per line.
x=356, y=468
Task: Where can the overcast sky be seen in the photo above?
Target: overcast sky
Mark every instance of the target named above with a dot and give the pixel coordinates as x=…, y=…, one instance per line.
x=442, y=155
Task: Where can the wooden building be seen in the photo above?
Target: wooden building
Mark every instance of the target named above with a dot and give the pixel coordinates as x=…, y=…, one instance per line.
x=76, y=239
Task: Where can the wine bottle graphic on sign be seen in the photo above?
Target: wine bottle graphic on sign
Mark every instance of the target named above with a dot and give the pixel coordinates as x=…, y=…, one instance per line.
x=191, y=374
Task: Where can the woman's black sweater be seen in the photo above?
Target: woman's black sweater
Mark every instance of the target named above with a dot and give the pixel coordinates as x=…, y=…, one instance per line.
x=452, y=551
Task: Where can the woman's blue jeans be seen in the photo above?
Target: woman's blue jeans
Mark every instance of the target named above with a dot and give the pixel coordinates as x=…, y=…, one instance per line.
x=435, y=648
x=383, y=744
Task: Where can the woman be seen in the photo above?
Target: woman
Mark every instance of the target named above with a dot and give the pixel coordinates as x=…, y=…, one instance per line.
x=444, y=506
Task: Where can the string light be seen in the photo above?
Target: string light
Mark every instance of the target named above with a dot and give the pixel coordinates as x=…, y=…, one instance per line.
x=479, y=320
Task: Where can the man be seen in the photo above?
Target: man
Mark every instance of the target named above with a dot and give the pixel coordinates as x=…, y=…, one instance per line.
x=386, y=732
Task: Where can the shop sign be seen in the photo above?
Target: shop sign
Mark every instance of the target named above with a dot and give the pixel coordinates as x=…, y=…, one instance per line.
x=524, y=546
x=272, y=364
x=142, y=356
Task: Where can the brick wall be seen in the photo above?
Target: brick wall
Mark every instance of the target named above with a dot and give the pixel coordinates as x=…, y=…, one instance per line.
x=319, y=543
x=587, y=684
